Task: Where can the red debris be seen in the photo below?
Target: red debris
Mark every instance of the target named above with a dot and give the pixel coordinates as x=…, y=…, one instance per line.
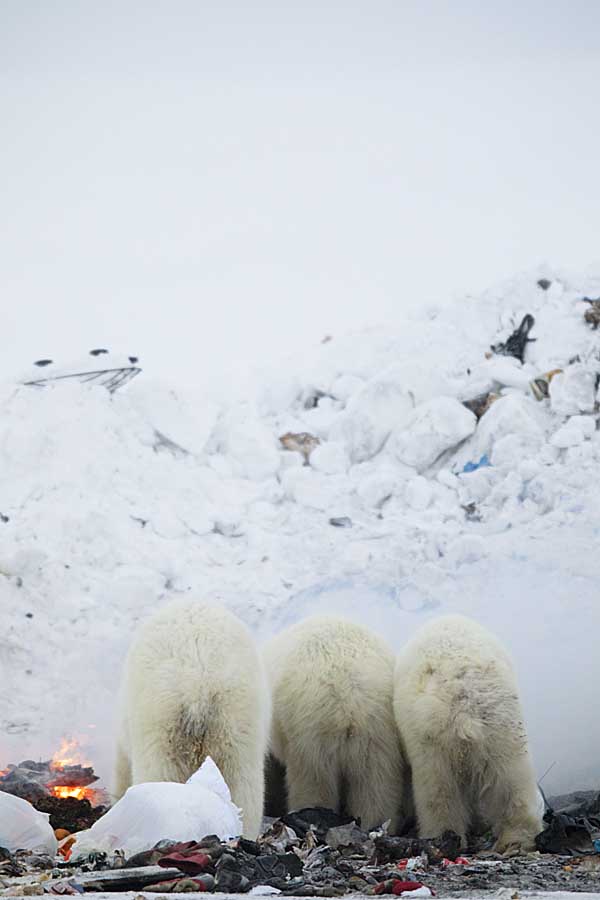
x=188, y=857
x=395, y=886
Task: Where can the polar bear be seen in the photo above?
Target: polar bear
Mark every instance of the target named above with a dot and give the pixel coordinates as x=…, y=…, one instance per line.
x=333, y=721
x=457, y=707
x=194, y=686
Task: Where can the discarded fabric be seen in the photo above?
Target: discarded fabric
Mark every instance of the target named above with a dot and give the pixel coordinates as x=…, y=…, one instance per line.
x=473, y=466
x=515, y=344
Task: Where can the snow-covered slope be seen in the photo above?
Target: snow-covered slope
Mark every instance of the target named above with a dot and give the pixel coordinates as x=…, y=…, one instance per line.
x=112, y=505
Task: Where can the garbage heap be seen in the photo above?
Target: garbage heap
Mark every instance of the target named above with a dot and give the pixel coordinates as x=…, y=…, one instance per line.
x=318, y=853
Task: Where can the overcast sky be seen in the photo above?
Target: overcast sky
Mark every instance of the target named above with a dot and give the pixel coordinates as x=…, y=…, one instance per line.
x=212, y=184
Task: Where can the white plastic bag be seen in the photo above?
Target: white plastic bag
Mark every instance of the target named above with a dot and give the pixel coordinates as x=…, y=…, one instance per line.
x=24, y=828
x=164, y=810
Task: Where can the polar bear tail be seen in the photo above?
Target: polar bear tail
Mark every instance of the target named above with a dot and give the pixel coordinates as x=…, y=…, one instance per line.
x=454, y=714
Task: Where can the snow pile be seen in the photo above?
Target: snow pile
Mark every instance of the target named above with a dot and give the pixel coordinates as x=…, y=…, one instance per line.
x=113, y=504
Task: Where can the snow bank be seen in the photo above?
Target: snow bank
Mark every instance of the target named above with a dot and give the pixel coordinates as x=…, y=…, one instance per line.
x=113, y=505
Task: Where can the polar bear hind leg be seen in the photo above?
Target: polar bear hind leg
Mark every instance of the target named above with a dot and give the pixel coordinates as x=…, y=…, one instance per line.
x=122, y=772
x=510, y=804
x=312, y=782
x=373, y=784
x=439, y=796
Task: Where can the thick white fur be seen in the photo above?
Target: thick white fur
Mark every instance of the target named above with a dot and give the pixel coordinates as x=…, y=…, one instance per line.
x=194, y=686
x=333, y=722
x=457, y=706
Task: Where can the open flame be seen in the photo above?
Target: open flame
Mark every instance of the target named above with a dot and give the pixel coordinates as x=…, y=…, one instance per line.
x=70, y=754
x=67, y=775
x=79, y=793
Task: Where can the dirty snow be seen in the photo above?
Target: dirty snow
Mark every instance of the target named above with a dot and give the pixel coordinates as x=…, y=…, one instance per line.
x=113, y=505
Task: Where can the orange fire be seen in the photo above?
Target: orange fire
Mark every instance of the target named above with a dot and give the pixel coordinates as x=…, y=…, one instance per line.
x=70, y=754
x=78, y=792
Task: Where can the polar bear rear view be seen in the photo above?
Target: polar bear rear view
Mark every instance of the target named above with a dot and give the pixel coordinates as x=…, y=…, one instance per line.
x=457, y=707
x=194, y=687
x=333, y=720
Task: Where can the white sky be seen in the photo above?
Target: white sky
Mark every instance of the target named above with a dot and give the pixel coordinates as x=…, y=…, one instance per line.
x=212, y=184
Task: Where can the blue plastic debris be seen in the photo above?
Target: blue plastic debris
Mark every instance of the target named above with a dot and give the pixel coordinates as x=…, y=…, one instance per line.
x=472, y=466
x=596, y=845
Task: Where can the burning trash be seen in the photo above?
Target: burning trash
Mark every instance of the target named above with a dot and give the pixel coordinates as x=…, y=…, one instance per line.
x=60, y=787
x=60, y=777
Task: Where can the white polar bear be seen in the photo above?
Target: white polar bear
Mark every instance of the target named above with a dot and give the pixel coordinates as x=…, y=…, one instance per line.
x=458, y=710
x=194, y=687
x=333, y=722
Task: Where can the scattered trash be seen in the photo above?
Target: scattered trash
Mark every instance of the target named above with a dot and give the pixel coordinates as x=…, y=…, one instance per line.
x=111, y=379
x=188, y=857
x=573, y=831
x=515, y=344
x=473, y=466
x=577, y=803
x=447, y=846
x=279, y=837
x=540, y=386
x=592, y=315
x=24, y=828
x=414, y=862
x=397, y=887
x=183, y=885
x=472, y=512
x=341, y=522
x=346, y=836
x=302, y=442
x=481, y=403
x=331, y=858
x=317, y=819
x=127, y=879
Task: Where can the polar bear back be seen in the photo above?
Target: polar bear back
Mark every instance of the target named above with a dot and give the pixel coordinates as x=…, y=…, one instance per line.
x=454, y=679
x=189, y=644
x=333, y=719
x=458, y=710
x=336, y=675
